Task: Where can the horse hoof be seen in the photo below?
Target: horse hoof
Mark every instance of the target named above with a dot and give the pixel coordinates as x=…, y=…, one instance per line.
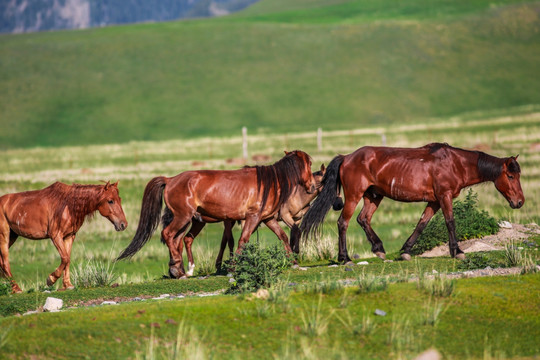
x=70, y=287
x=16, y=289
x=406, y=257
x=381, y=255
x=50, y=281
x=461, y=256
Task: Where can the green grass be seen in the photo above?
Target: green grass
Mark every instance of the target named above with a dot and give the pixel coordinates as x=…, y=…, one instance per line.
x=493, y=315
x=338, y=64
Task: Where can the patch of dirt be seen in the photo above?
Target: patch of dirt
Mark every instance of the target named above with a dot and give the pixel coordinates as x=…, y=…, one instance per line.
x=517, y=232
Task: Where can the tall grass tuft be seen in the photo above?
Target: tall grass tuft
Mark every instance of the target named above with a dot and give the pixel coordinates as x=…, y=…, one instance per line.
x=93, y=273
x=188, y=345
x=370, y=283
x=316, y=250
x=204, y=264
x=314, y=323
x=433, y=309
x=364, y=327
x=440, y=285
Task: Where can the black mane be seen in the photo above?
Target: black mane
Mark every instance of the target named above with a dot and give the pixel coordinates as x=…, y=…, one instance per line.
x=286, y=173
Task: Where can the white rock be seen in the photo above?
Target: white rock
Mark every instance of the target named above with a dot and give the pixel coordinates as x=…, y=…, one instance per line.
x=31, y=312
x=109, y=303
x=335, y=265
x=53, y=304
x=505, y=225
x=430, y=354
x=362, y=263
x=163, y=296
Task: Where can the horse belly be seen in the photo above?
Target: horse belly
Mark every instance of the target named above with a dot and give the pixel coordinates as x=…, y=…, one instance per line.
x=408, y=189
x=28, y=220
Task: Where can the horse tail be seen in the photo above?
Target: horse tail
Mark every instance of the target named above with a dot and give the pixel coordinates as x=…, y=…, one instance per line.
x=150, y=216
x=328, y=196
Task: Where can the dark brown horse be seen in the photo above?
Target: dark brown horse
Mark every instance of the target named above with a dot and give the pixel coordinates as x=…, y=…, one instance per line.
x=56, y=212
x=253, y=194
x=434, y=173
x=290, y=213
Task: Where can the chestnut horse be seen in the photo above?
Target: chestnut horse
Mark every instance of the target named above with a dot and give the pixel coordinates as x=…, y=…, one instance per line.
x=56, y=212
x=434, y=173
x=290, y=213
x=253, y=194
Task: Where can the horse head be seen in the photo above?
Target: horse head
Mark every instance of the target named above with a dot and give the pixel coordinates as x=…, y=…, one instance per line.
x=508, y=183
x=318, y=176
x=110, y=206
x=307, y=179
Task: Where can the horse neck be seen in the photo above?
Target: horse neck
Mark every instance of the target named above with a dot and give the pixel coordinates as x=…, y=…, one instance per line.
x=299, y=199
x=83, y=201
x=481, y=167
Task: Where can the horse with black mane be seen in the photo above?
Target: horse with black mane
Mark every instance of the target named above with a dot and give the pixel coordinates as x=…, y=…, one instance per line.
x=435, y=173
x=56, y=212
x=290, y=212
x=254, y=194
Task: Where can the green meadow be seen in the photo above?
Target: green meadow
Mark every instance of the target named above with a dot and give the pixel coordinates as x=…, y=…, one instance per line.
x=129, y=103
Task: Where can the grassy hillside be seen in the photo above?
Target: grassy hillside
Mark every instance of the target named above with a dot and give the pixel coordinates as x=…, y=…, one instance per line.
x=278, y=67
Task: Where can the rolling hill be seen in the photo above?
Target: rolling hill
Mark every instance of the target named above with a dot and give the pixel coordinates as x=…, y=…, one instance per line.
x=276, y=67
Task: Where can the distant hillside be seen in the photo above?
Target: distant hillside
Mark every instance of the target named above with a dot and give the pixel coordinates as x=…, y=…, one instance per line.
x=19, y=16
x=278, y=66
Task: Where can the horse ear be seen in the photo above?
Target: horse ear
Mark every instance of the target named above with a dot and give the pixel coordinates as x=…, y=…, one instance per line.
x=286, y=152
x=116, y=184
x=515, y=158
x=322, y=167
x=107, y=185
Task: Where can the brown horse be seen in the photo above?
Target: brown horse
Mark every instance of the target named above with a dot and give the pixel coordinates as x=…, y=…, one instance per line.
x=56, y=212
x=290, y=213
x=434, y=173
x=253, y=194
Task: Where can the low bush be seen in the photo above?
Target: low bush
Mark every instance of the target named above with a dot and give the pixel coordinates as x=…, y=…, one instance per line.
x=482, y=260
x=470, y=223
x=256, y=267
x=5, y=286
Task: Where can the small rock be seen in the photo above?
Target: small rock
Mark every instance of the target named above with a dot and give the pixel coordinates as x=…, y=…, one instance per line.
x=262, y=294
x=53, y=304
x=430, y=354
x=170, y=321
x=388, y=261
x=505, y=225
x=109, y=303
x=434, y=271
x=163, y=296
x=520, y=247
x=333, y=265
x=348, y=269
x=380, y=312
x=180, y=296
x=30, y=312
x=232, y=280
x=155, y=325
x=115, y=285
x=488, y=268
x=292, y=284
x=136, y=299
x=230, y=275
x=356, y=256
x=203, y=277
x=362, y=263
x=47, y=291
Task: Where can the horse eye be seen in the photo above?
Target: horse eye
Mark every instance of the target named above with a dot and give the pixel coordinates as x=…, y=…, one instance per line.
x=510, y=177
x=111, y=202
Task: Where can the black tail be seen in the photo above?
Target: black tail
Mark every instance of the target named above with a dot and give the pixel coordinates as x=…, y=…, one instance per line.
x=331, y=182
x=166, y=219
x=150, y=216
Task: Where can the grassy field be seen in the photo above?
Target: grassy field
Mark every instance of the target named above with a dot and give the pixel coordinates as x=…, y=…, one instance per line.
x=515, y=131
x=278, y=67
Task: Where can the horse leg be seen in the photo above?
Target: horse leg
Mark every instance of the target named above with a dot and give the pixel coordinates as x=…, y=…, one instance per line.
x=371, y=203
x=196, y=227
x=175, y=230
x=5, y=269
x=58, y=242
x=68, y=242
x=430, y=210
x=250, y=224
x=446, y=207
x=274, y=226
x=226, y=239
x=343, y=224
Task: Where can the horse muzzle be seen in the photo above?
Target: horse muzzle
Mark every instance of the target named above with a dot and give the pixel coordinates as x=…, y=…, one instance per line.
x=516, y=204
x=120, y=226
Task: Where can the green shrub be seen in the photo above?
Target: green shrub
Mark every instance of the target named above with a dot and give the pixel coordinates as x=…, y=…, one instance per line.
x=257, y=267
x=5, y=286
x=470, y=223
x=93, y=274
x=482, y=260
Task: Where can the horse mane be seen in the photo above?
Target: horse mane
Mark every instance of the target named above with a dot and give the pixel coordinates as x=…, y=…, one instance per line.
x=434, y=147
x=81, y=201
x=285, y=173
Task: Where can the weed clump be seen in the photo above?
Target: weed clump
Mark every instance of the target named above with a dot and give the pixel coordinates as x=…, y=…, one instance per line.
x=256, y=267
x=470, y=223
x=93, y=274
x=5, y=286
x=482, y=260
